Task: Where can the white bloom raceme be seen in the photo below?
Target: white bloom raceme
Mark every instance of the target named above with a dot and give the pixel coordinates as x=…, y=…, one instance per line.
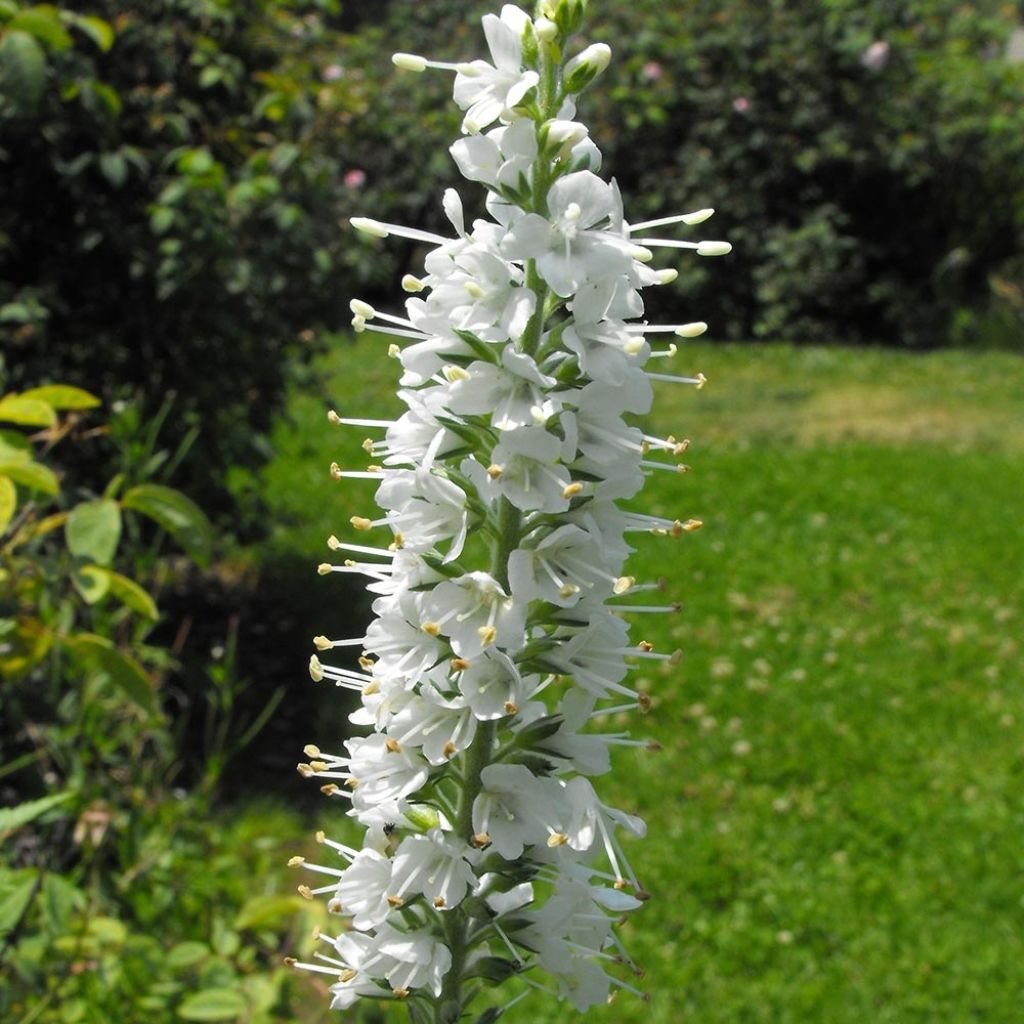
x=498, y=563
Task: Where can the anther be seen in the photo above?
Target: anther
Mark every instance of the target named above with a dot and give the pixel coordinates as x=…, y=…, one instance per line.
x=322, y=643
x=305, y=892
x=494, y=471
x=393, y=746
x=361, y=523
x=311, y=750
x=571, y=490
x=294, y=862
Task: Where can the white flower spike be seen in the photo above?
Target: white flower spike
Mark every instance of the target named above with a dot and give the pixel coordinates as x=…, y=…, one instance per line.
x=498, y=570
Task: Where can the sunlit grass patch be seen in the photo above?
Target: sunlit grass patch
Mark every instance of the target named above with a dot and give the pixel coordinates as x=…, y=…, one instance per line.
x=835, y=814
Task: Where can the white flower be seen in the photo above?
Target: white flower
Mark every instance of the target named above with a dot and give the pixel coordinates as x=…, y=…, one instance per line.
x=516, y=808
x=569, y=248
x=363, y=889
x=435, y=866
x=490, y=91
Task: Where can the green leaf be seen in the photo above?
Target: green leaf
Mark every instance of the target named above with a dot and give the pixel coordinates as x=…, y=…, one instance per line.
x=44, y=24
x=8, y=502
x=14, y=902
x=12, y=818
x=62, y=396
x=93, y=530
x=14, y=447
x=123, y=671
x=179, y=516
x=114, y=168
x=92, y=582
x=186, y=954
x=213, y=1004
x=268, y=911
x=22, y=70
x=31, y=474
x=26, y=412
x=98, y=30
x=132, y=596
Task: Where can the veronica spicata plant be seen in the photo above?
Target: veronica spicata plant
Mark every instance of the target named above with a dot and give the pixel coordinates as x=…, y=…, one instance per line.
x=502, y=599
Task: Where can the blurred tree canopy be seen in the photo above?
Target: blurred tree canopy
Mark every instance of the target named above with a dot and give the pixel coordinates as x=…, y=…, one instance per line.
x=177, y=177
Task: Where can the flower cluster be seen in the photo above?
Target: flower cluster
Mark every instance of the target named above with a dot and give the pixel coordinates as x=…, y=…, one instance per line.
x=499, y=573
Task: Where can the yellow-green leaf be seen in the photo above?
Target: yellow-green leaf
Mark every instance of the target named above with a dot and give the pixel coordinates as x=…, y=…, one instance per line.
x=187, y=954
x=62, y=396
x=179, y=516
x=92, y=582
x=93, y=530
x=12, y=818
x=268, y=911
x=43, y=23
x=8, y=502
x=31, y=474
x=14, y=447
x=98, y=30
x=132, y=596
x=213, y=1004
x=26, y=412
x=123, y=671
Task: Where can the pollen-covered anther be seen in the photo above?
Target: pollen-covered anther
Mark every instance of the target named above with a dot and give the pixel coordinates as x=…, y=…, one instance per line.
x=645, y=646
x=311, y=750
x=304, y=770
x=430, y=628
x=653, y=746
x=372, y=687
x=335, y=471
x=412, y=285
x=347, y=975
x=366, y=663
x=394, y=351
x=439, y=902
x=393, y=745
x=329, y=789
x=305, y=892
x=398, y=542
x=511, y=708
x=480, y=840
x=455, y=373
x=623, y=584
x=494, y=471
x=643, y=702
x=351, y=783
x=487, y=634
x=675, y=657
x=370, y=227
x=619, y=883
x=324, y=568
x=701, y=381
x=321, y=643
x=318, y=766
x=321, y=836
x=294, y=862
x=361, y=522
x=691, y=525
x=571, y=490
x=449, y=749
x=367, y=445
x=682, y=468
x=334, y=906
x=289, y=961
x=568, y=590
x=645, y=447
x=459, y=664
x=634, y=346
x=333, y=543
x=395, y=901
x=681, y=447
x=316, y=670
x=333, y=417
x=361, y=308
x=557, y=839
x=358, y=324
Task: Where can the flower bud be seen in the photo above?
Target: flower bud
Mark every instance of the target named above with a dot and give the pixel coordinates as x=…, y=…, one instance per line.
x=586, y=66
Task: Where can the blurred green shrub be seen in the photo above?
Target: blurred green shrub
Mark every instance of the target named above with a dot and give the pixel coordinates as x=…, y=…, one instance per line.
x=118, y=901
x=866, y=157
x=167, y=221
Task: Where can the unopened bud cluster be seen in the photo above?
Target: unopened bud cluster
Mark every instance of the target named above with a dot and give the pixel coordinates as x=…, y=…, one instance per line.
x=498, y=564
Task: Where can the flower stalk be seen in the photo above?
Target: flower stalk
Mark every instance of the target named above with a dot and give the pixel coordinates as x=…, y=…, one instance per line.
x=498, y=565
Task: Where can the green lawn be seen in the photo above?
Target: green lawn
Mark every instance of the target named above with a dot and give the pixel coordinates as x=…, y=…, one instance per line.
x=837, y=813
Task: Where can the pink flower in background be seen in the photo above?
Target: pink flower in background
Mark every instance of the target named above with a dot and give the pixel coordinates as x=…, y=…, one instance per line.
x=876, y=56
x=355, y=178
x=741, y=105
x=652, y=71
x=332, y=72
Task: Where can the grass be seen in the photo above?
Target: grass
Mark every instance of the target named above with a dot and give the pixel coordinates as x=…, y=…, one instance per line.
x=835, y=816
